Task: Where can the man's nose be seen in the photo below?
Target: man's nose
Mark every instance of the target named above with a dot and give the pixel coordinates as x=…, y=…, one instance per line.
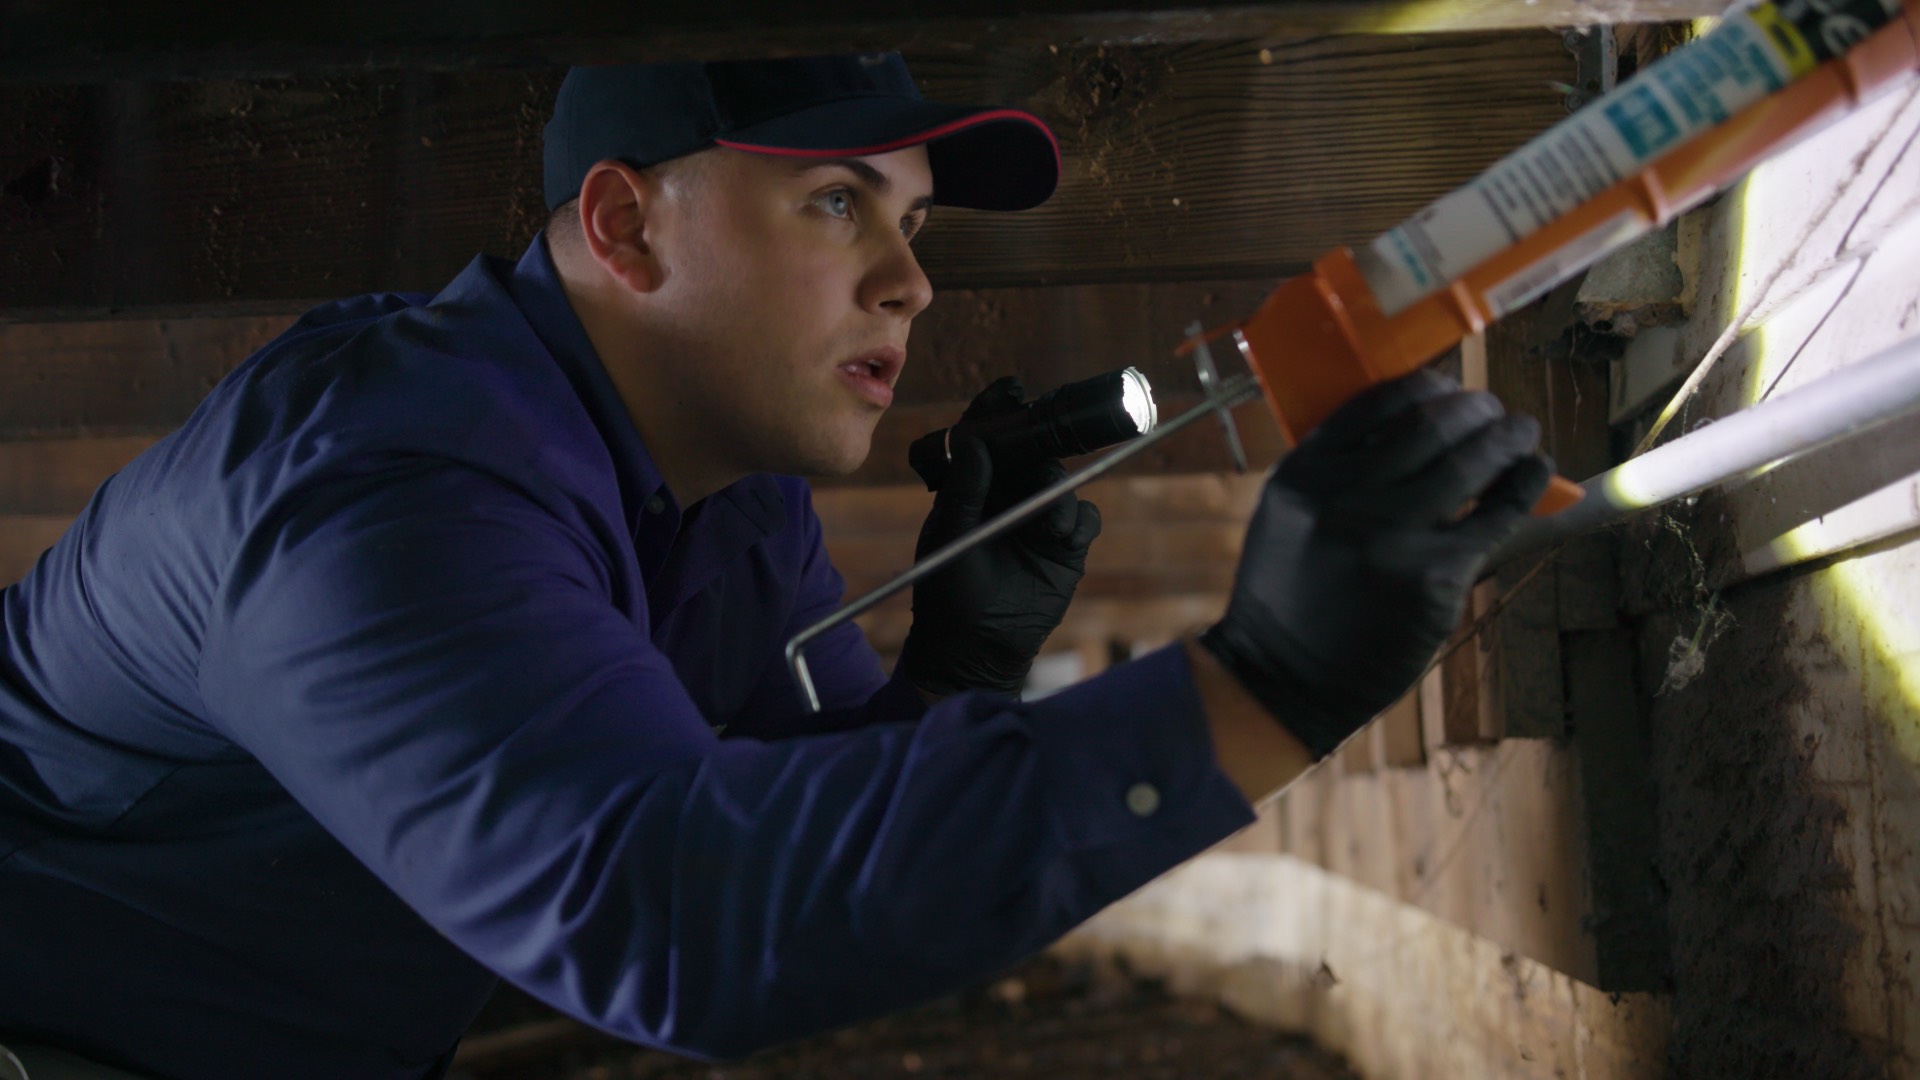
x=896, y=284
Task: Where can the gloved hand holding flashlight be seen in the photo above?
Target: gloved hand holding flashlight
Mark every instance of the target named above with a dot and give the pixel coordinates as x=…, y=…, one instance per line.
x=979, y=622
x=1357, y=562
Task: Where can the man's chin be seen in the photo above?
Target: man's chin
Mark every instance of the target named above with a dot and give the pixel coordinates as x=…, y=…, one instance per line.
x=837, y=471
x=838, y=463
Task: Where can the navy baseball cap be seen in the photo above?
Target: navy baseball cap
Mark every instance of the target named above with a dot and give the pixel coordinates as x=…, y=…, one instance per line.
x=816, y=106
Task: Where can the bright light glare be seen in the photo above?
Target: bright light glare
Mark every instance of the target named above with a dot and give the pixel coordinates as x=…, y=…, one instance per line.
x=1867, y=603
x=1137, y=398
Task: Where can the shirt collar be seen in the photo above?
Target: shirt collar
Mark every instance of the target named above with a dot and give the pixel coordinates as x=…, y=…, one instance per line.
x=536, y=290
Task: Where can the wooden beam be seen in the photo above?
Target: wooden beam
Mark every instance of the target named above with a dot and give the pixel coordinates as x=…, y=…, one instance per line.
x=143, y=376
x=23, y=539
x=1395, y=990
x=1491, y=838
x=58, y=476
x=136, y=378
x=1397, y=732
x=118, y=38
x=131, y=377
x=1229, y=159
x=1628, y=923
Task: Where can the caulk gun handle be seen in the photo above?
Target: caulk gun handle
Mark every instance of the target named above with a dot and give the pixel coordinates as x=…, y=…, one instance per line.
x=1319, y=339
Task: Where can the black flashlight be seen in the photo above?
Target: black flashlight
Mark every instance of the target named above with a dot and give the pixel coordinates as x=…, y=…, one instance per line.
x=1074, y=419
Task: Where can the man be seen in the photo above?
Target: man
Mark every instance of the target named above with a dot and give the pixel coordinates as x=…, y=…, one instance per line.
x=405, y=663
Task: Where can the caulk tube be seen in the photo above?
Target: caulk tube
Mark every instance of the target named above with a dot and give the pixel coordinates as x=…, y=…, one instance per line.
x=1750, y=55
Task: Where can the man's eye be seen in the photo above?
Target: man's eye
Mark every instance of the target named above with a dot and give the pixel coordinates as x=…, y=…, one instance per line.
x=838, y=202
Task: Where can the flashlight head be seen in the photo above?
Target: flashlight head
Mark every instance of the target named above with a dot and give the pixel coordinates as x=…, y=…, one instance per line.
x=1136, y=397
x=1092, y=414
x=1078, y=418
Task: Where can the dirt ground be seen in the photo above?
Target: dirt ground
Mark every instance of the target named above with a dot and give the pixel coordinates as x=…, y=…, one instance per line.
x=1048, y=1019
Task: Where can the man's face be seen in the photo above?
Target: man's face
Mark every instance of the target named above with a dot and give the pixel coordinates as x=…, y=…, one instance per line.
x=788, y=290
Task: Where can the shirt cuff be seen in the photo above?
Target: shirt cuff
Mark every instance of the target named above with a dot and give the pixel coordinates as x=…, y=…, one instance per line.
x=1131, y=764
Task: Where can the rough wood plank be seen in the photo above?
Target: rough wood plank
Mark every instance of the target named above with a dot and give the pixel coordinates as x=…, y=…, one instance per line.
x=143, y=376
x=1432, y=695
x=1628, y=920
x=117, y=377
x=58, y=477
x=1490, y=838
x=1398, y=731
x=1522, y=374
x=1531, y=368
x=1266, y=836
x=1475, y=710
x=203, y=39
x=1200, y=450
x=1197, y=161
x=1398, y=991
x=23, y=538
x=1356, y=754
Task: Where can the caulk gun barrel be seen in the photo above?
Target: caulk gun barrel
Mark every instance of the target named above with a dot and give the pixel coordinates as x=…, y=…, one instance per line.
x=1676, y=99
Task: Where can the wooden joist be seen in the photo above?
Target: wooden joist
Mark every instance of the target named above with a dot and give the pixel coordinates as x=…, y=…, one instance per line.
x=133, y=380
x=1398, y=991
x=143, y=376
x=1205, y=160
x=212, y=39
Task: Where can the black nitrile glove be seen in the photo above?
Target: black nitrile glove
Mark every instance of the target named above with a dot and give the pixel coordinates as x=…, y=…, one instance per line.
x=1357, y=565
x=979, y=622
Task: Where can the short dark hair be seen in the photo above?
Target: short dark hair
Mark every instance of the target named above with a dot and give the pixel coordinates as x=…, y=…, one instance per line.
x=564, y=221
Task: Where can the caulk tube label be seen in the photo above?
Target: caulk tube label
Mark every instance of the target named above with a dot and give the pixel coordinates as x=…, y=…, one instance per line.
x=1750, y=55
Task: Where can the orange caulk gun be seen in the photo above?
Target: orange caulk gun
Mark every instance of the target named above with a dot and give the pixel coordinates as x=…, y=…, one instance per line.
x=1659, y=144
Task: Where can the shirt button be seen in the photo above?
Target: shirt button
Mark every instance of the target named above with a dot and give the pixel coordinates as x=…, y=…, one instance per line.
x=656, y=504
x=1143, y=799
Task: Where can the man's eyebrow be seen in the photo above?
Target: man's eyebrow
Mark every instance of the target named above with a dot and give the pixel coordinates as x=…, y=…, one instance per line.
x=868, y=175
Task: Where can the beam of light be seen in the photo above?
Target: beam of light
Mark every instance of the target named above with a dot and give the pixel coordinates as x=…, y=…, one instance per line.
x=1632, y=486
x=1868, y=605
x=1426, y=16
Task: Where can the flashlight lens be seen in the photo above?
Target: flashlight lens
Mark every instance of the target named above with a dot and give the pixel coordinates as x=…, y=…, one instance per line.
x=1137, y=398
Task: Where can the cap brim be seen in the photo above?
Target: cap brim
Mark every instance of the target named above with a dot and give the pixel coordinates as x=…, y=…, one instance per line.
x=984, y=159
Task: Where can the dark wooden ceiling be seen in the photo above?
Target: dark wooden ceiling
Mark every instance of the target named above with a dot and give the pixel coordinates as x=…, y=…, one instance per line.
x=1191, y=154
x=197, y=39
x=149, y=170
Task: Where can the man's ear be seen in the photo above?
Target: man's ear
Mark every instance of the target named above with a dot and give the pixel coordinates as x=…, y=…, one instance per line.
x=618, y=205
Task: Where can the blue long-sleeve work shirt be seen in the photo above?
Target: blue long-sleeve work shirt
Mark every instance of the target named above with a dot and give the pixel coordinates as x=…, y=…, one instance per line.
x=398, y=667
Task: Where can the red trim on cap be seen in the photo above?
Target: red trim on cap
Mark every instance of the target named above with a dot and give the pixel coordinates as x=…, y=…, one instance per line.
x=911, y=140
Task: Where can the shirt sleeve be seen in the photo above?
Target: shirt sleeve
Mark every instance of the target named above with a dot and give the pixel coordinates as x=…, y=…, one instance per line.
x=427, y=659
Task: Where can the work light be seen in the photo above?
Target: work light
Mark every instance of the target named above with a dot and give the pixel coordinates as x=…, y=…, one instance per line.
x=1078, y=418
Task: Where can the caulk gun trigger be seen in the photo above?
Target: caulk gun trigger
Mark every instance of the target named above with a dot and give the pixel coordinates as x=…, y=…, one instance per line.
x=1209, y=384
